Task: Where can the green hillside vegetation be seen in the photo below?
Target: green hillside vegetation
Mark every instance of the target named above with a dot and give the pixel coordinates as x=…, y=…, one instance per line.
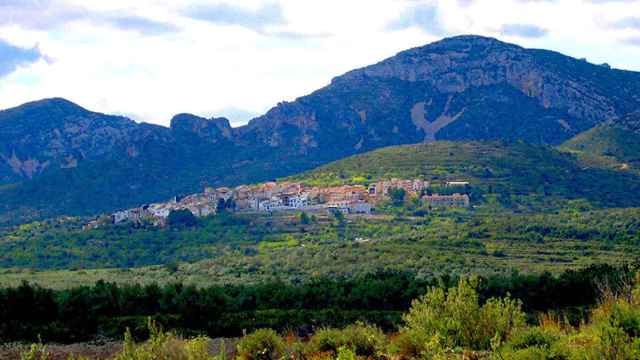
x=241, y=249
x=538, y=175
x=607, y=146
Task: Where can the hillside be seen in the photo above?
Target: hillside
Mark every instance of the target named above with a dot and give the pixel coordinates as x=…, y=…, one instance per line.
x=615, y=145
x=59, y=158
x=491, y=167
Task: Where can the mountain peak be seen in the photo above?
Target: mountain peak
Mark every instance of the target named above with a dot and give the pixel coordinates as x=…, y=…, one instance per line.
x=181, y=119
x=211, y=129
x=56, y=104
x=471, y=39
x=459, y=44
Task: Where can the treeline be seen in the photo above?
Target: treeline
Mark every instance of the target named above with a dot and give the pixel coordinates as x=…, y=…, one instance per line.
x=105, y=309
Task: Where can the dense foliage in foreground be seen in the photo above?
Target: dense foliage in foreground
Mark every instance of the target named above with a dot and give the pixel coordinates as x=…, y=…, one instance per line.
x=80, y=314
x=444, y=323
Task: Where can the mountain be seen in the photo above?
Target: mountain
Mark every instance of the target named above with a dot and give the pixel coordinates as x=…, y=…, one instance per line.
x=58, y=158
x=466, y=87
x=55, y=133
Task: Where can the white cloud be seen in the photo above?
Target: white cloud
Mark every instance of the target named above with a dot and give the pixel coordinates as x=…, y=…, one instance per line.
x=153, y=58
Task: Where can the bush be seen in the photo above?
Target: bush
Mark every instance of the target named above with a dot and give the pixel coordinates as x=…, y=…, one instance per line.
x=455, y=319
x=533, y=337
x=498, y=318
x=364, y=340
x=36, y=352
x=162, y=345
x=345, y=353
x=530, y=353
x=198, y=349
x=407, y=345
x=327, y=340
x=620, y=314
x=263, y=344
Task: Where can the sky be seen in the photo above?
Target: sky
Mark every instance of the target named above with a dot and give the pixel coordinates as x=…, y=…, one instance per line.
x=152, y=59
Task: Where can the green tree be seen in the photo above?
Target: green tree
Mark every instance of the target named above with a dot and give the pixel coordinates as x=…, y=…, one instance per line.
x=181, y=218
x=304, y=218
x=397, y=196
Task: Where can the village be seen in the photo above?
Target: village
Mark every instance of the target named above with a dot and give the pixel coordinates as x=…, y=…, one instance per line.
x=274, y=197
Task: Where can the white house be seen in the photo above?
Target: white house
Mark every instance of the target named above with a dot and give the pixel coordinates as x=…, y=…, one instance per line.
x=159, y=212
x=271, y=204
x=120, y=216
x=299, y=201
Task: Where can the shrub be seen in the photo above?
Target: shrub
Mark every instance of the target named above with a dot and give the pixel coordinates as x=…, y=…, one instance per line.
x=615, y=328
x=162, y=345
x=498, y=318
x=455, y=319
x=613, y=344
x=363, y=340
x=263, y=344
x=620, y=314
x=36, y=352
x=530, y=353
x=327, y=340
x=344, y=353
x=198, y=349
x=408, y=345
x=532, y=337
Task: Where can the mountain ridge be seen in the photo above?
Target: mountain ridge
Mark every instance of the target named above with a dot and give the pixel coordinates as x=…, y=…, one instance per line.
x=461, y=88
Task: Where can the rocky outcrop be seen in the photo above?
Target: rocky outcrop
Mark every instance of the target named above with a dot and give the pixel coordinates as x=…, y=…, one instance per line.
x=213, y=130
x=56, y=133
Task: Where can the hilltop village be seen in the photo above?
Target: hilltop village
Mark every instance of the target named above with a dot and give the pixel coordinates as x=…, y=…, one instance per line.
x=272, y=197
